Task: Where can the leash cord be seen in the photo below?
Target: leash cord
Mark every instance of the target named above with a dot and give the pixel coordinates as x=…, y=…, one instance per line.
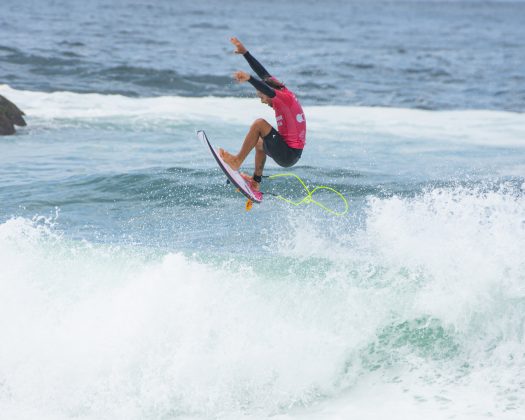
x=308, y=198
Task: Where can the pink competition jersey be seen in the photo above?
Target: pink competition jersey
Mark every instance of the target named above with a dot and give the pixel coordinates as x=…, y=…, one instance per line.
x=291, y=123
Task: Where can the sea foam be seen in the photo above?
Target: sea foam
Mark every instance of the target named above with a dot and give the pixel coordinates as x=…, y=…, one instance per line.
x=475, y=127
x=425, y=302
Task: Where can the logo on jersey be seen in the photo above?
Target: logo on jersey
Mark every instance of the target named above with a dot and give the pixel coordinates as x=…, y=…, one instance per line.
x=299, y=118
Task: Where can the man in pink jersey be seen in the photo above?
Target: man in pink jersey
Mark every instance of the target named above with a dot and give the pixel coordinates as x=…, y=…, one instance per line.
x=284, y=145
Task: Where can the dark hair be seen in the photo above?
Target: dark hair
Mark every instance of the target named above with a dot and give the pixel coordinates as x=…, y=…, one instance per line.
x=273, y=82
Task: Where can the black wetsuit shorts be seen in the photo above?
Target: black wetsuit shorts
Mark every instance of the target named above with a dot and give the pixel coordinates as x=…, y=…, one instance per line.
x=278, y=150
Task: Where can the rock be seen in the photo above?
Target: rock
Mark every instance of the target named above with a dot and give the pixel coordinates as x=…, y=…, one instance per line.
x=10, y=115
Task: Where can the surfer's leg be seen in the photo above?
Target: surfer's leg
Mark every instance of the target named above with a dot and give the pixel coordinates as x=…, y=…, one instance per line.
x=259, y=128
x=260, y=158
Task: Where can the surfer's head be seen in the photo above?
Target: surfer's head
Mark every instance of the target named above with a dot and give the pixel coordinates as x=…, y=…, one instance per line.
x=273, y=82
x=265, y=99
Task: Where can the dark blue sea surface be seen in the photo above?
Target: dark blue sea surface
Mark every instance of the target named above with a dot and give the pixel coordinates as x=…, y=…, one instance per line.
x=415, y=54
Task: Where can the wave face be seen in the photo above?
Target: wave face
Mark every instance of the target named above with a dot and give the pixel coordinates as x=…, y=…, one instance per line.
x=425, y=54
x=133, y=284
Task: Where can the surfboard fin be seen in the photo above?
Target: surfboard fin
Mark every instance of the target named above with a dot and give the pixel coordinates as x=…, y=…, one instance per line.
x=249, y=205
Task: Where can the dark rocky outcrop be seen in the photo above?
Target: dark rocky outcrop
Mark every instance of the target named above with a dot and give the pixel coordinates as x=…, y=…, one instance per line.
x=10, y=115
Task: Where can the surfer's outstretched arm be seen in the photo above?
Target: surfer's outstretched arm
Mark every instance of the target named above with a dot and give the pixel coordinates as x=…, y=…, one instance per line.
x=257, y=67
x=262, y=87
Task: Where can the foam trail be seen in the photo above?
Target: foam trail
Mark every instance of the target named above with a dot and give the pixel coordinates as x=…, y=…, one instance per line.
x=489, y=128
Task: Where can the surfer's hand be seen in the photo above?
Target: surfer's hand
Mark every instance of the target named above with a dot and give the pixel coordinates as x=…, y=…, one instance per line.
x=241, y=76
x=239, y=48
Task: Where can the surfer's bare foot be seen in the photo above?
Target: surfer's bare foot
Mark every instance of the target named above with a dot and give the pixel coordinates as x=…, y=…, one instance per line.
x=232, y=160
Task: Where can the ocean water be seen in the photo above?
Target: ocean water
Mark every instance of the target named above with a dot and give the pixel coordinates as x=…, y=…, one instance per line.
x=133, y=283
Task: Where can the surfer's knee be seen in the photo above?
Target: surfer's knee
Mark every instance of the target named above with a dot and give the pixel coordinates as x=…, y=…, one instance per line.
x=259, y=123
x=262, y=126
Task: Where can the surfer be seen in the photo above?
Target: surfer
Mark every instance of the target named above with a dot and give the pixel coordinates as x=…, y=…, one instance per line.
x=283, y=145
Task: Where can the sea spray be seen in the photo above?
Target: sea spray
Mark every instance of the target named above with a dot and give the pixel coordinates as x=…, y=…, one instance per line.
x=194, y=338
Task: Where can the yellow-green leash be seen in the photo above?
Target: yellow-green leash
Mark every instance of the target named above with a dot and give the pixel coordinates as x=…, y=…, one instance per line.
x=309, y=199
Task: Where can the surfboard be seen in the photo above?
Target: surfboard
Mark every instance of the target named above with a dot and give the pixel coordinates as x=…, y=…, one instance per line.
x=234, y=177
